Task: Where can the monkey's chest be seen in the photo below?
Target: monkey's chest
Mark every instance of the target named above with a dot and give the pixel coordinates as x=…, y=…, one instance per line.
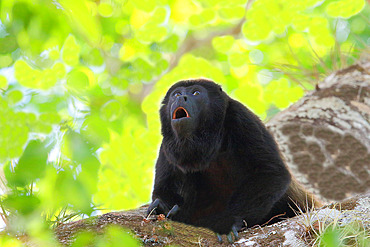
x=214, y=191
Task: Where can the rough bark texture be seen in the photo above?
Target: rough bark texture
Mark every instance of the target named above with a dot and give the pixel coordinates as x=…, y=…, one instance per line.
x=294, y=232
x=325, y=140
x=325, y=136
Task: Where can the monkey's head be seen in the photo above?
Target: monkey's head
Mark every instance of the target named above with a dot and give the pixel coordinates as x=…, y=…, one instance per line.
x=192, y=118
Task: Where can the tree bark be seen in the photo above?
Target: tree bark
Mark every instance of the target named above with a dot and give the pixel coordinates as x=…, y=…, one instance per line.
x=325, y=136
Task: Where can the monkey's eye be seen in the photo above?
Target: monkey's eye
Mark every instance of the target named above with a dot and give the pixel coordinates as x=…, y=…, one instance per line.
x=177, y=94
x=196, y=92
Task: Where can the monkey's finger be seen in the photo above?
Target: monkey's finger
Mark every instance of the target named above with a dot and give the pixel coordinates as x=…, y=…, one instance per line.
x=152, y=206
x=173, y=211
x=230, y=238
x=219, y=238
x=235, y=231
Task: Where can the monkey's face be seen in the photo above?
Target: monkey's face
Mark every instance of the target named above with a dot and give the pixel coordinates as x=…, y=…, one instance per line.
x=192, y=116
x=186, y=106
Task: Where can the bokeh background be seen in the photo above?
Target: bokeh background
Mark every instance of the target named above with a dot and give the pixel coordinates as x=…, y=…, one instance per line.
x=81, y=84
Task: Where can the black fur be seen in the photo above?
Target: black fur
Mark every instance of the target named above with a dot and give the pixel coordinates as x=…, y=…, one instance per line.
x=220, y=166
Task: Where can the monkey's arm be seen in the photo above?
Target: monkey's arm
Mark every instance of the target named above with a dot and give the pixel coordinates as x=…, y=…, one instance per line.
x=262, y=178
x=164, y=196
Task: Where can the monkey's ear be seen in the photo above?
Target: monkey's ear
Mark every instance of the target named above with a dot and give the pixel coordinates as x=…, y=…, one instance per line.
x=221, y=89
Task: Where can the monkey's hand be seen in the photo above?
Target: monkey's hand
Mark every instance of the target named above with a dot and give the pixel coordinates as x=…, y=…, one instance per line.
x=234, y=230
x=156, y=207
x=159, y=207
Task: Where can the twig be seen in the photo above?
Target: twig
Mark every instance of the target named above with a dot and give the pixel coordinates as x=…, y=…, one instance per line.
x=273, y=218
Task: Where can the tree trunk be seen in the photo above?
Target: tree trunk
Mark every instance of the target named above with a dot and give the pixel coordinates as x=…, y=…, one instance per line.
x=325, y=135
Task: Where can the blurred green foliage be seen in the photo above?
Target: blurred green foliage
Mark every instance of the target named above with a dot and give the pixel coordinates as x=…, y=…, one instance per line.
x=81, y=84
x=351, y=234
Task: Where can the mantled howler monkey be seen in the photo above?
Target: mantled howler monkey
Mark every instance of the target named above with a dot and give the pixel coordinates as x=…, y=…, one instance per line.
x=218, y=166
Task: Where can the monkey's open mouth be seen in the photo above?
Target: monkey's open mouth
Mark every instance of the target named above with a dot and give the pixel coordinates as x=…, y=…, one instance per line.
x=180, y=112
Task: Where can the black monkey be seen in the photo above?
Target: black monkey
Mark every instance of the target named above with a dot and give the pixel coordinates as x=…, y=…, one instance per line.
x=218, y=166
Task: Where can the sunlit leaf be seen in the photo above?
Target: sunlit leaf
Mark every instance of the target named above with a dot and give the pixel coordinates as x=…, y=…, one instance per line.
x=81, y=17
x=345, y=8
x=115, y=237
x=151, y=33
x=50, y=117
x=232, y=13
x=73, y=192
x=54, y=54
x=223, y=44
x=84, y=238
x=5, y=61
x=59, y=70
x=8, y=241
x=238, y=59
x=31, y=165
x=7, y=44
x=14, y=97
x=24, y=204
x=71, y=51
x=251, y=94
x=254, y=31
x=182, y=10
x=26, y=76
x=77, y=79
x=3, y=82
x=146, y=5
x=95, y=130
x=93, y=57
x=105, y=9
x=111, y=110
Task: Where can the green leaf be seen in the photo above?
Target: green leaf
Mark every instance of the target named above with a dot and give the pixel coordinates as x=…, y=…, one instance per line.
x=48, y=79
x=159, y=16
x=81, y=17
x=105, y=9
x=50, y=117
x=78, y=149
x=223, y=44
x=26, y=76
x=330, y=238
x=229, y=13
x=345, y=8
x=238, y=59
x=151, y=33
x=95, y=130
x=14, y=132
x=3, y=83
x=111, y=110
x=146, y=5
x=71, y=51
x=93, y=57
x=84, y=238
x=83, y=184
x=73, y=192
x=77, y=79
x=8, y=44
x=256, y=29
x=59, y=70
x=23, y=204
x=5, y=61
x=115, y=236
x=14, y=97
x=31, y=164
